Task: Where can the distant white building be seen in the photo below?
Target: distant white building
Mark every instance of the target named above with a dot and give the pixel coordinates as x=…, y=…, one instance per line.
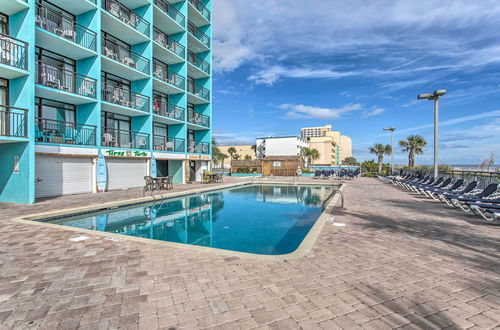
x=280, y=146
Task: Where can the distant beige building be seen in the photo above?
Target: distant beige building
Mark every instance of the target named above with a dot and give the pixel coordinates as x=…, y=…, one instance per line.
x=332, y=146
x=241, y=150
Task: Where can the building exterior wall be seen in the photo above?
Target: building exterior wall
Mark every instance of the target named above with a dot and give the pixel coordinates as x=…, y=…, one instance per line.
x=241, y=150
x=346, y=147
x=151, y=47
x=308, y=132
x=280, y=146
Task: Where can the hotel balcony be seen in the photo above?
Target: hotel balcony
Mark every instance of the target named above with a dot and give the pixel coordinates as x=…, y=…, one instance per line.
x=13, y=57
x=62, y=132
x=62, y=35
x=167, y=81
x=76, y=7
x=198, y=41
x=121, y=61
x=51, y=80
x=198, y=13
x=197, y=94
x=13, y=122
x=123, y=101
x=120, y=21
x=14, y=6
x=197, y=68
x=164, y=143
x=171, y=114
x=198, y=148
x=198, y=119
x=167, y=49
x=168, y=17
x=115, y=138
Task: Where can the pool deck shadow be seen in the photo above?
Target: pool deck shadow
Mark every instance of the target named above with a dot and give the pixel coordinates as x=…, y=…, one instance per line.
x=399, y=262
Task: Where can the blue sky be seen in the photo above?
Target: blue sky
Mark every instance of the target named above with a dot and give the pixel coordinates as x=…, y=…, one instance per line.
x=280, y=65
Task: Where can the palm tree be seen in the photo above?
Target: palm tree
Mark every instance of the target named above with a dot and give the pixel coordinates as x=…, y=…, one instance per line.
x=223, y=156
x=254, y=148
x=248, y=157
x=380, y=150
x=236, y=156
x=231, y=152
x=310, y=154
x=314, y=155
x=414, y=145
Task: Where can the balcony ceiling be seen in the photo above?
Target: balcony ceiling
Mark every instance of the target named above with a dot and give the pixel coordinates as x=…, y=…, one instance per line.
x=13, y=6
x=195, y=45
x=196, y=17
x=191, y=98
x=195, y=72
x=132, y=4
x=122, y=70
x=166, y=88
x=75, y=7
x=121, y=110
x=165, y=55
x=121, y=30
x=61, y=96
x=10, y=72
x=165, y=23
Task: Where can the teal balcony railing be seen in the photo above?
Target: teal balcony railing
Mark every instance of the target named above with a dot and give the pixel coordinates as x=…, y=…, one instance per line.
x=58, y=24
x=171, y=11
x=13, y=52
x=201, y=8
x=116, y=138
x=198, y=34
x=198, y=148
x=199, y=91
x=164, y=143
x=160, y=72
x=62, y=132
x=124, y=55
x=123, y=96
x=168, y=110
x=13, y=121
x=126, y=15
x=198, y=62
x=169, y=43
x=198, y=119
x=65, y=80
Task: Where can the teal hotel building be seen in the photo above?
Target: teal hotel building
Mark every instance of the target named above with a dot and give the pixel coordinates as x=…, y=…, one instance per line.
x=97, y=94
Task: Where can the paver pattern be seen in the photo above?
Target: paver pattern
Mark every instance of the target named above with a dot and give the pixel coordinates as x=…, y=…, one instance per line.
x=401, y=262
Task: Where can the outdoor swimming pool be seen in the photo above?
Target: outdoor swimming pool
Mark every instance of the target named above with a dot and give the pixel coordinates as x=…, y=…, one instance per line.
x=260, y=219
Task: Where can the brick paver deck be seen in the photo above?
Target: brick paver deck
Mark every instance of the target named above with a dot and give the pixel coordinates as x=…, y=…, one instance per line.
x=400, y=262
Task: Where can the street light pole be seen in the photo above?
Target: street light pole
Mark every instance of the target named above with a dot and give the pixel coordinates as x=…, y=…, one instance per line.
x=435, y=97
x=392, y=129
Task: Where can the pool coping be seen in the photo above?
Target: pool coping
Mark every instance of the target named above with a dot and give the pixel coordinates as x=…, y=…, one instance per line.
x=302, y=250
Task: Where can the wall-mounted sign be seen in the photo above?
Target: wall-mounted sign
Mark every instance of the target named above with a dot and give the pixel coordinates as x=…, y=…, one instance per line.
x=126, y=153
x=276, y=164
x=102, y=173
x=16, y=164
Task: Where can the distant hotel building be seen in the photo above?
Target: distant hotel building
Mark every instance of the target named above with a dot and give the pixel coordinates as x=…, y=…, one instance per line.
x=129, y=80
x=280, y=146
x=332, y=146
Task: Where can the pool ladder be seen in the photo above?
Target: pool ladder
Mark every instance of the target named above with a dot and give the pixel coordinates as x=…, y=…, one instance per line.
x=335, y=192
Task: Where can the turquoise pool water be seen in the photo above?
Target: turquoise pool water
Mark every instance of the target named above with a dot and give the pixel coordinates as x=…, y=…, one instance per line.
x=261, y=219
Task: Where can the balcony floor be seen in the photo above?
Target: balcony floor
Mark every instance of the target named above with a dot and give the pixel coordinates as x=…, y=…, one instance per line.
x=61, y=96
x=195, y=45
x=165, y=87
x=165, y=55
x=196, y=17
x=197, y=127
x=62, y=46
x=121, y=30
x=121, y=69
x=165, y=23
x=167, y=120
x=10, y=72
x=191, y=98
x=122, y=110
x=195, y=72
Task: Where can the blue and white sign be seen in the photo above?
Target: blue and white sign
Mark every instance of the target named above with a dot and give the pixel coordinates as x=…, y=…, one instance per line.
x=102, y=173
x=153, y=167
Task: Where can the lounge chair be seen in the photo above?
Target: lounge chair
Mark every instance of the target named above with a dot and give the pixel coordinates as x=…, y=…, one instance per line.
x=318, y=175
x=459, y=201
x=434, y=193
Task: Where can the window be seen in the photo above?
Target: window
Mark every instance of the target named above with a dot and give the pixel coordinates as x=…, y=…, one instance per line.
x=160, y=103
x=56, y=20
x=4, y=24
x=58, y=111
x=190, y=135
x=116, y=89
x=114, y=47
x=115, y=130
x=4, y=92
x=160, y=129
x=190, y=85
x=160, y=70
x=54, y=70
x=115, y=121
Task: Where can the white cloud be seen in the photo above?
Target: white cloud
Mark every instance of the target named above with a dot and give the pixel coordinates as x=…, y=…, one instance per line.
x=312, y=112
x=372, y=112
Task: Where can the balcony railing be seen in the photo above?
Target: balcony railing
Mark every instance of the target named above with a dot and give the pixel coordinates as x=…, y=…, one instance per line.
x=65, y=80
x=168, y=110
x=164, y=143
x=198, y=62
x=52, y=21
x=168, y=76
x=198, y=119
x=199, y=91
x=201, y=8
x=124, y=97
x=13, y=52
x=125, y=56
x=116, y=138
x=63, y=132
x=126, y=15
x=198, y=148
x=168, y=43
x=198, y=34
x=171, y=11
x=13, y=121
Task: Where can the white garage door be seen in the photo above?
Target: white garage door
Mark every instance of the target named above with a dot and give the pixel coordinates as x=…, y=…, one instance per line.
x=126, y=173
x=57, y=176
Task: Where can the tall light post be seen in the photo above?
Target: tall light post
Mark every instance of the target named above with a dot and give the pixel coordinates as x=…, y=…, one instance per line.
x=435, y=97
x=392, y=129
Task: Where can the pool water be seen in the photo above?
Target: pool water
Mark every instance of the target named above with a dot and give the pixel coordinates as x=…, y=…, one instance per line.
x=261, y=219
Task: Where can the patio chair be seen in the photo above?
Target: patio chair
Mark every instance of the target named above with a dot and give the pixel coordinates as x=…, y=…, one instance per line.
x=460, y=200
x=150, y=185
x=433, y=193
x=318, y=175
x=489, y=212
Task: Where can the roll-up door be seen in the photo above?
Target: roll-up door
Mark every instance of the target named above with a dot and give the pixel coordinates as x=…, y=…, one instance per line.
x=126, y=173
x=57, y=176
